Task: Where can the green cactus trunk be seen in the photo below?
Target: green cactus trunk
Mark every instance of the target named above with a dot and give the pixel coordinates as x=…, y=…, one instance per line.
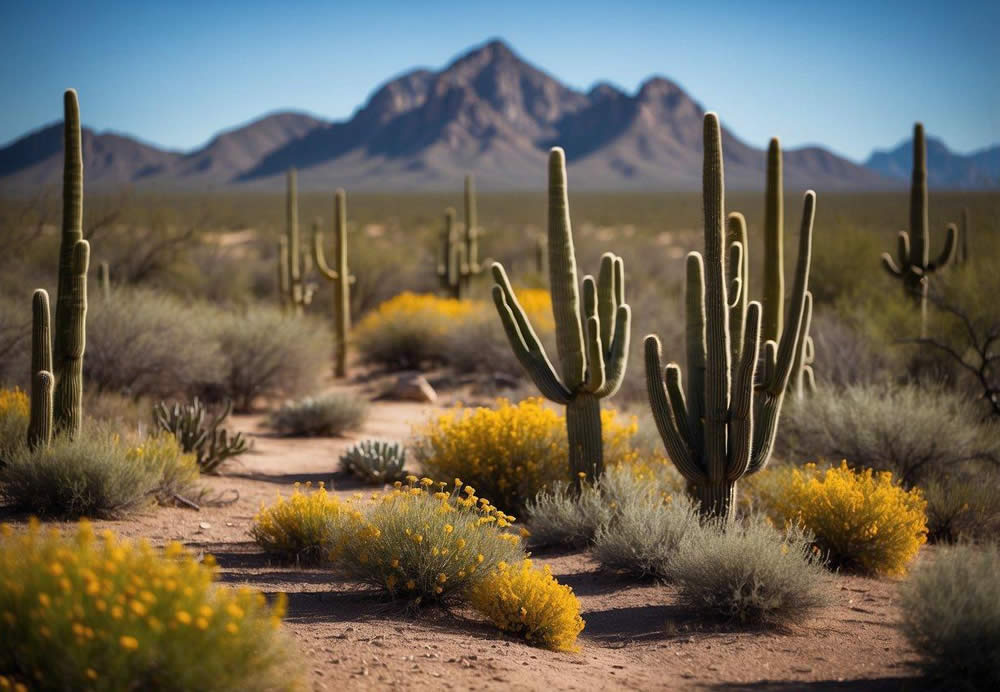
x=471, y=259
x=296, y=293
x=774, y=247
x=339, y=276
x=42, y=382
x=586, y=447
x=71, y=301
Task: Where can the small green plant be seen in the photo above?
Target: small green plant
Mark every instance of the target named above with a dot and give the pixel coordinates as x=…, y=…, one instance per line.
x=299, y=529
x=951, y=615
x=749, y=572
x=375, y=461
x=424, y=546
x=327, y=415
x=210, y=444
x=87, y=613
x=528, y=601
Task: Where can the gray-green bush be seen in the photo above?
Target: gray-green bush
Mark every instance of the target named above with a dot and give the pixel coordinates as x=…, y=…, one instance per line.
x=963, y=507
x=749, y=572
x=328, y=415
x=375, y=461
x=951, y=615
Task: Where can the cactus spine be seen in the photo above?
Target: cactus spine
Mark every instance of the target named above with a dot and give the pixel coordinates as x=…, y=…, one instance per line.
x=459, y=258
x=724, y=427
x=340, y=276
x=593, y=352
x=42, y=382
x=772, y=321
x=914, y=266
x=71, y=301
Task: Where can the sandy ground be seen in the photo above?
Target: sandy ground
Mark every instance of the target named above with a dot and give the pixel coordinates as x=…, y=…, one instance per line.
x=636, y=636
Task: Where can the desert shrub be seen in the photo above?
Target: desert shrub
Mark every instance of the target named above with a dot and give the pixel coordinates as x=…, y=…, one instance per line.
x=327, y=415
x=211, y=444
x=96, y=474
x=14, y=418
x=425, y=546
x=15, y=340
x=143, y=343
x=644, y=532
x=527, y=601
x=846, y=355
x=81, y=613
x=511, y=452
x=861, y=520
x=749, y=572
x=301, y=528
x=375, y=461
x=410, y=329
x=266, y=355
x=560, y=515
x=914, y=432
x=963, y=507
x=951, y=615
x=116, y=410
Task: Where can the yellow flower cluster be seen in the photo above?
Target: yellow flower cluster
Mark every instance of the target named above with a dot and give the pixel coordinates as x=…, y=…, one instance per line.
x=301, y=527
x=13, y=402
x=528, y=601
x=425, y=541
x=88, y=612
x=861, y=520
x=512, y=451
x=14, y=416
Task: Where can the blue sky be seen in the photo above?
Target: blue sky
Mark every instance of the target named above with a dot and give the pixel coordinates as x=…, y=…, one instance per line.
x=850, y=75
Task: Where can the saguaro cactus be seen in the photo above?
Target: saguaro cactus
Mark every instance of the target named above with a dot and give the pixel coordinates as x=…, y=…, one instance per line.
x=593, y=351
x=71, y=300
x=340, y=276
x=962, y=257
x=914, y=266
x=295, y=295
x=773, y=318
x=725, y=425
x=42, y=382
x=459, y=258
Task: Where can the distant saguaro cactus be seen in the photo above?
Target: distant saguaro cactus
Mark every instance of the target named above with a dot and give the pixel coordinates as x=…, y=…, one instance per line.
x=914, y=267
x=962, y=256
x=725, y=426
x=340, y=276
x=71, y=300
x=294, y=293
x=593, y=349
x=459, y=257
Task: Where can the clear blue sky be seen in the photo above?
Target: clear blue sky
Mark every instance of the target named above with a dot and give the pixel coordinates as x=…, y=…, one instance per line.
x=850, y=75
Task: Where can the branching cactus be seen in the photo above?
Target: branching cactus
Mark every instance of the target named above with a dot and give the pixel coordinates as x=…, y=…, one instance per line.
x=42, y=382
x=295, y=295
x=913, y=266
x=210, y=443
x=593, y=350
x=773, y=318
x=340, y=276
x=723, y=425
x=459, y=257
x=71, y=301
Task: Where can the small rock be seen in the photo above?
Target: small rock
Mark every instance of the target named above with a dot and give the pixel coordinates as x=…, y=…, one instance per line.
x=204, y=525
x=412, y=387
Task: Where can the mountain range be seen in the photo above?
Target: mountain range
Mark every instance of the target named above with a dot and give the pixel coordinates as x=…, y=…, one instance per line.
x=488, y=112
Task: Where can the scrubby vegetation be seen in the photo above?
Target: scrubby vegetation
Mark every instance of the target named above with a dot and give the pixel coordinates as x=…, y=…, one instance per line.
x=327, y=415
x=300, y=529
x=87, y=613
x=375, y=461
x=951, y=616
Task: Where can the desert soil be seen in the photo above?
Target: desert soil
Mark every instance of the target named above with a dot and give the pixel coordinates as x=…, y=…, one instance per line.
x=636, y=636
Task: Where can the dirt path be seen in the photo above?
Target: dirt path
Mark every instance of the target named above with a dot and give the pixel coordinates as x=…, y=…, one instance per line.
x=636, y=637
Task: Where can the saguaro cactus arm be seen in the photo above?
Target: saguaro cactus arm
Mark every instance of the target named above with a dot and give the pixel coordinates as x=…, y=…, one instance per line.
x=774, y=246
x=949, y=251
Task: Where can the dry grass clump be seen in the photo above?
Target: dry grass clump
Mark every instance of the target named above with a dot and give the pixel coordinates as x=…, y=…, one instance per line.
x=527, y=601
x=749, y=572
x=861, y=520
x=324, y=416
x=951, y=616
x=82, y=613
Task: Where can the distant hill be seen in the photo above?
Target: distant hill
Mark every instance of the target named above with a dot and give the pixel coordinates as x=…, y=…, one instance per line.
x=945, y=168
x=488, y=112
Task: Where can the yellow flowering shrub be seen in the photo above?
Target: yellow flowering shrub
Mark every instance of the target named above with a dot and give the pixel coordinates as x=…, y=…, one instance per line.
x=861, y=520
x=162, y=453
x=425, y=541
x=301, y=527
x=528, y=601
x=511, y=452
x=14, y=414
x=89, y=613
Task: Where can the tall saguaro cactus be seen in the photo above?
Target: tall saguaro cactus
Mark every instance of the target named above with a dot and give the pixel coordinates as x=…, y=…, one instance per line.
x=723, y=426
x=294, y=295
x=71, y=300
x=459, y=258
x=914, y=267
x=340, y=276
x=593, y=349
x=42, y=382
